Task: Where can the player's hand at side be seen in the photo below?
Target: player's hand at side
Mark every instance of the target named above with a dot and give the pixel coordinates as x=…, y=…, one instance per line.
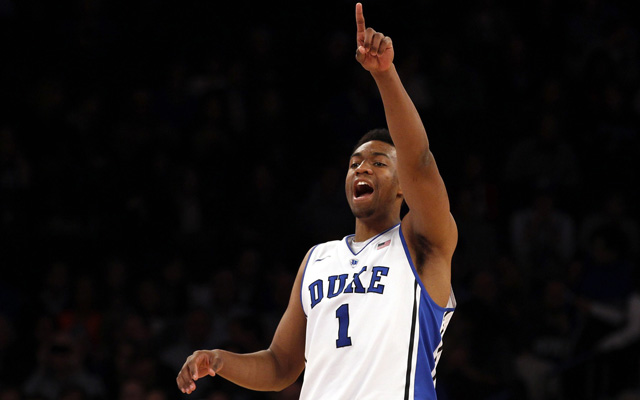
x=201, y=363
x=375, y=50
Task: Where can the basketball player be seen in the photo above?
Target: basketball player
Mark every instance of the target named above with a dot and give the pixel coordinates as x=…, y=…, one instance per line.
x=367, y=313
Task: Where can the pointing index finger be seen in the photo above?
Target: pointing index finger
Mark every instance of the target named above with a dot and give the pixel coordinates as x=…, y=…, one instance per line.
x=359, y=18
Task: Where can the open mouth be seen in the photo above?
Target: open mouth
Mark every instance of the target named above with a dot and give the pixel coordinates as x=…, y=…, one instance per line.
x=362, y=189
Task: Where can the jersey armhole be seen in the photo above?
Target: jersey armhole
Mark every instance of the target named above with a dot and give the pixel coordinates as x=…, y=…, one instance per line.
x=302, y=279
x=451, y=302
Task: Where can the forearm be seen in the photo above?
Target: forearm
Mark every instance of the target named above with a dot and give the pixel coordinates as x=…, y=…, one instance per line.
x=422, y=185
x=282, y=363
x=256, y=371
x=403, y=120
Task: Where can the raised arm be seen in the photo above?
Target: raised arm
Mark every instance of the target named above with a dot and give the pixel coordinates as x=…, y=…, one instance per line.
x=428, y=224
x=268, y=370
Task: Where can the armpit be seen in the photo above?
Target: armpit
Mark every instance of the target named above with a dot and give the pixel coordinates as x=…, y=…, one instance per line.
x=423, y=249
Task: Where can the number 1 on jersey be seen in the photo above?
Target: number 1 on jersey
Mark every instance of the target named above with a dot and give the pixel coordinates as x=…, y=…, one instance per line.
x=342, y=313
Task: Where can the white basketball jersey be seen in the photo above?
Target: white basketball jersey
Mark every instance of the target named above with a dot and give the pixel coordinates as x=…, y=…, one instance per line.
x=373, y=332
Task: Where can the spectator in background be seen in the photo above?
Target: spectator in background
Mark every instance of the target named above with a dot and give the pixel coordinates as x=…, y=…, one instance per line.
x=156, y=394
x=607, y=272
x=219, y=395
x=542, y=238
x=197, y=334
x=542, y=160
x=132, y=389
x=54, y=297
x=82, y=317
x=150, y=306
x=147, y=369
x=189, y=204
x=605, y=283
x=61, y=366
x=480, y=360
x=615, y=213
x=73, y=392
x=116, y=288
x=475, y=208
x=617, y=351
x=550, y=331
x=10, y=393
x=218, y=299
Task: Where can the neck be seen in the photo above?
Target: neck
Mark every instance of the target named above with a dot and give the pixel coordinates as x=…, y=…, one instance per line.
x=368, y=229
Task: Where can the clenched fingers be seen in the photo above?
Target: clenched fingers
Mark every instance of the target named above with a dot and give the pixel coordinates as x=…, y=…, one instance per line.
x=385, y=44
x=375, y=43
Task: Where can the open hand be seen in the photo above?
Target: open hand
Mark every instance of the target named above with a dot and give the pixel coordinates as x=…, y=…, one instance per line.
x=201, y=363
x=375, y=50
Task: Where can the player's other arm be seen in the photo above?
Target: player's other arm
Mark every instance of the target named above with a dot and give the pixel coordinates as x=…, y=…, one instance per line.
x=429, y=224
x=272, y=369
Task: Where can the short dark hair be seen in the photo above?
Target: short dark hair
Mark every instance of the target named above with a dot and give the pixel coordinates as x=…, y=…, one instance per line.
x=381, y=134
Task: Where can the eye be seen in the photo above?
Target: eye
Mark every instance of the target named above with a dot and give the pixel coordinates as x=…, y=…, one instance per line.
x=379, y=164
x=354, y=165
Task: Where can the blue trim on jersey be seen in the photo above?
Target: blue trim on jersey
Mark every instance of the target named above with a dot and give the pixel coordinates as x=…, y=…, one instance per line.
x=346, y=240
x=430, y=319
x=302, y=280
x=424, y=387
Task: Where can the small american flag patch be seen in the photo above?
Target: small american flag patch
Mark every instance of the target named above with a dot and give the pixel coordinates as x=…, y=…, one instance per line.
x=382, y=245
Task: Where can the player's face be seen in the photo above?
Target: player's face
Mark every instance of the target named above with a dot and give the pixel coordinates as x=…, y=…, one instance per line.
x=372, y=181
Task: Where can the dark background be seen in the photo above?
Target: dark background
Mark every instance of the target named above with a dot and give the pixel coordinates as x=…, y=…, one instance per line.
x=165, y=166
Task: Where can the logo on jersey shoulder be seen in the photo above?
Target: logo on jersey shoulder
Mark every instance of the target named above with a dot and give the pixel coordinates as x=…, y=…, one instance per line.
x=382, y=245
x=337, y=285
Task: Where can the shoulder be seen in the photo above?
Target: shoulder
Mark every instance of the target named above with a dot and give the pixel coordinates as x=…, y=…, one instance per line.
x=325, y=247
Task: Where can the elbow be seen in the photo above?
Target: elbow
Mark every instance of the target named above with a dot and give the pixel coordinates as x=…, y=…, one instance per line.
x=419, y=159
x=423, y=161
x=283, y=382
x=426, y=157
x=287, y=372
x=284, y=385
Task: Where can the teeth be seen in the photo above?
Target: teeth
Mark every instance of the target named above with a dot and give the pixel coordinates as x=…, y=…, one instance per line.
x=362, y=184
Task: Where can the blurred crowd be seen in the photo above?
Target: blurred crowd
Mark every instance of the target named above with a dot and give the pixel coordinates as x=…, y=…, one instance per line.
x=165, y=166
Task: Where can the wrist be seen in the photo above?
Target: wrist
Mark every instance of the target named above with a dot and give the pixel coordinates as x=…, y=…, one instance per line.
x=217, y=360
x=384, y=74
